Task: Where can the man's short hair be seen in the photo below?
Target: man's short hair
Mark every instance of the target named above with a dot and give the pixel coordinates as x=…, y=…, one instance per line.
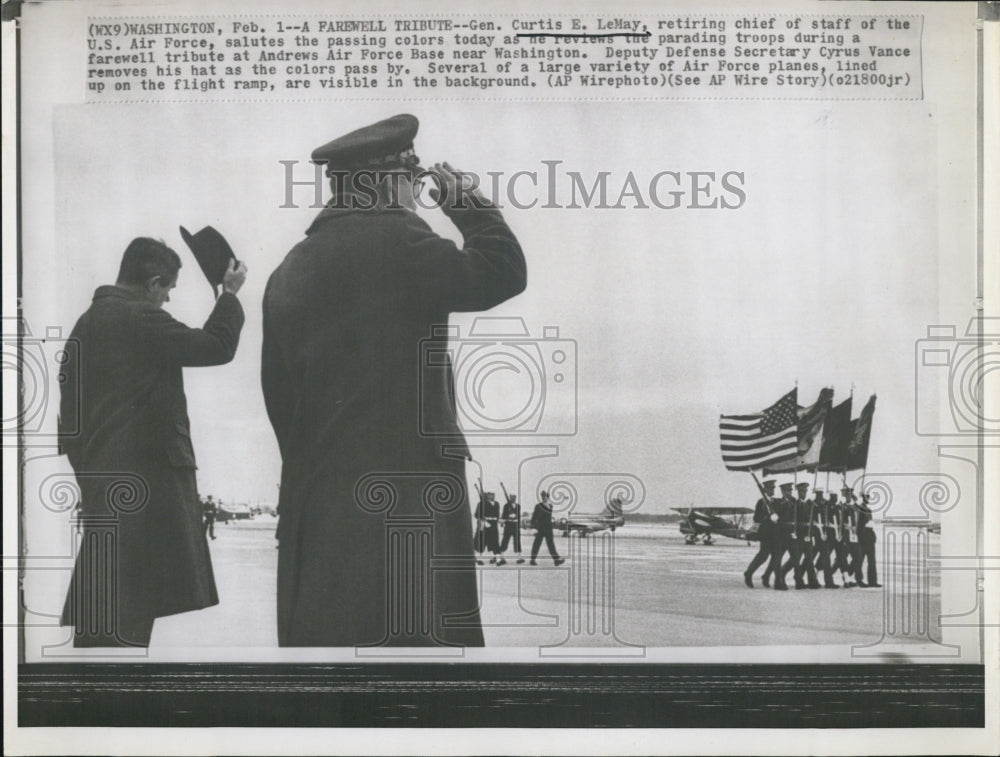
x=145, y=258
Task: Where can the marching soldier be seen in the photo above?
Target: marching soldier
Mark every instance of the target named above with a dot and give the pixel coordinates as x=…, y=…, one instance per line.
x=541, y=521
x=866, y=540
x=488, y=514
x=209, y=510
x=801, y=543
x=782, y=536
x=511, y=518
x=851, y=567
x=766, y=521
x=825, y=537
x=835, y=520
x=479, y=540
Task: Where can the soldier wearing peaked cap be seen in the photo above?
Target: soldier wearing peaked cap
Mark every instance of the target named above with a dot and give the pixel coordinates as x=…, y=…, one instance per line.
x=783, y=535
x=511, y=518
x=346, y=315
x=851, y=566
x=488, y=515
x=804, y=515
x=866, y=543
x=824, y=539
x=765, y=518
x=838, y=551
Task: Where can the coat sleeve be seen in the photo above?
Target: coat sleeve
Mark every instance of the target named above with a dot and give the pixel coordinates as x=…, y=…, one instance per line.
x=274, y=380
x=213, y=344
x=760, y=511
x=487, y=270
x=69, y=422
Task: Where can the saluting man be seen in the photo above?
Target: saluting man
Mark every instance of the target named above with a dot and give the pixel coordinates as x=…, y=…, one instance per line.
x=766, y=521
x=345, y=317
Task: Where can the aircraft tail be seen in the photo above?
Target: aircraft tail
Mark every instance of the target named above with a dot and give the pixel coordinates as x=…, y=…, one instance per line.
x=613, y=510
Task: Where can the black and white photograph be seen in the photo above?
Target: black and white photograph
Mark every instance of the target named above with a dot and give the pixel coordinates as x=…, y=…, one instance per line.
x=618, y=377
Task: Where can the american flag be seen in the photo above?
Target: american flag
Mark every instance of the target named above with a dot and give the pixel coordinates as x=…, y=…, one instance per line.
x=753, y=441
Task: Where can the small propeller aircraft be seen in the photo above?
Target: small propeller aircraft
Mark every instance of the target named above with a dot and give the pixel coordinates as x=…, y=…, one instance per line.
x=702, y=522
x=609, y=518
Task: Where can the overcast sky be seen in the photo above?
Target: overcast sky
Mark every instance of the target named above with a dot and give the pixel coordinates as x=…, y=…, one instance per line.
x=825, y=276
x=856, y=233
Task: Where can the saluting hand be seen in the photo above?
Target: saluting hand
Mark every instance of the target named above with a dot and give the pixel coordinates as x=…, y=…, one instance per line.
x=452, y=183
x=236, y=274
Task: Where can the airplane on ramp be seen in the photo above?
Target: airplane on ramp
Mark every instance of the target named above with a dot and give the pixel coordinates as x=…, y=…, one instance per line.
x=704, y=521
x=609, y=518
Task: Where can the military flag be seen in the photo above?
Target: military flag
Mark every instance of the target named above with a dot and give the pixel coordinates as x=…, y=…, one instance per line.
x=861, y=431
x=758, y=439
x=810, y=436
x=836, y=436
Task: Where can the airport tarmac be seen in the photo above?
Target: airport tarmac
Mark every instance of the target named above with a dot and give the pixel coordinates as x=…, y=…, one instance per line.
x=618, y=594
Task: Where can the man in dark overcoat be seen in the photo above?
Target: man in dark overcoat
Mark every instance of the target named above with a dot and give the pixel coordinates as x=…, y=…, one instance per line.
x=143, y=553
x=368, y=439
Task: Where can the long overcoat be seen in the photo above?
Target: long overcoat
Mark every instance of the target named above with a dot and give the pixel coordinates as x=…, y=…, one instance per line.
x=375, y=528
x=126, y=431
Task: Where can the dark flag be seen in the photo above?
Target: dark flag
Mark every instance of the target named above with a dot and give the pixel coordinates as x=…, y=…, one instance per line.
x=811, y=421
x=836, y=437
x=861, y=431
x=758, y=439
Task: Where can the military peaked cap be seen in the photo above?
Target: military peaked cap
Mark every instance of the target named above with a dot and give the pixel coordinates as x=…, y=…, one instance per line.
x=387, y=144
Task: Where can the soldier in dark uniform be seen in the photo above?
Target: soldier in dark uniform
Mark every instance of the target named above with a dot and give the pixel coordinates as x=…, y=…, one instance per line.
x=824, y=539
x=489, y=516
x=210, y=509
x=351, y=393
x=782, y=536
x=849, y=538
x=541, y=521
x=765, y=519
x=511, y=517
x=866, y=541
x=838, y=552
x=133, y=457
x=479, y=540
x=800, y=549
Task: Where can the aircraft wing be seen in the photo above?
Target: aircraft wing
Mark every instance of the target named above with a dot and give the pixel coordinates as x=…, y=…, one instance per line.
x=714, y=510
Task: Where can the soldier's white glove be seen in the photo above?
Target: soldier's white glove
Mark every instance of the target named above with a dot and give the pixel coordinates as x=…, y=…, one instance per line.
x=774, y=517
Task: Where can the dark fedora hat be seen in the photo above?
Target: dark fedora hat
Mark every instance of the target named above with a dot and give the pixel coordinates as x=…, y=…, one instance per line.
x=212, y=252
